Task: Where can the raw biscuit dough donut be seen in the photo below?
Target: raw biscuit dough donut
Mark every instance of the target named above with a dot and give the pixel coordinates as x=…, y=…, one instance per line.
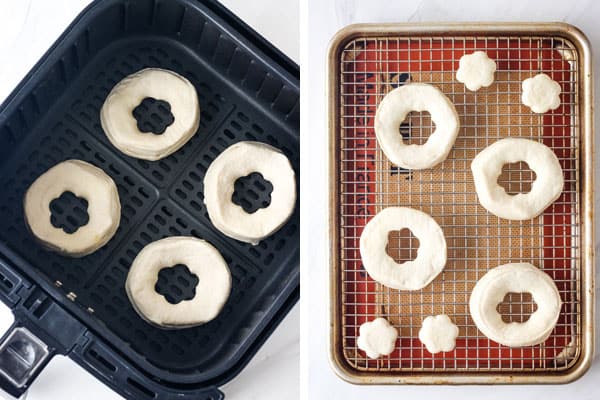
x=83, y=180
x=377, y=338
x=202, y=259
x=438, y=333
x=547, y=187
x=410, y=275
x=394, y=108
x=541, y=93
x=239, y=160
x=476, y=70
x=490, y=290
x=121, y=127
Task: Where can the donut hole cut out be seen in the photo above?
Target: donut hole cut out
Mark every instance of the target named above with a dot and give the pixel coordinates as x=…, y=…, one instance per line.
x=516, y=178
x=402, y=245
x=69, y=212
x=516, y=307
x=417, y=127
x=252, y=192
x=153, y=116
x=176, y=283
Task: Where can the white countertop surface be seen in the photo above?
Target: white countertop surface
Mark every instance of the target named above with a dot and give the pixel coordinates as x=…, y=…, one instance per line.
x=324, y=19
x=27, y=29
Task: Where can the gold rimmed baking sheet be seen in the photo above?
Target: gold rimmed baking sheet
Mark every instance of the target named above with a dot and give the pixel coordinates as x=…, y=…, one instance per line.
x=368, y=61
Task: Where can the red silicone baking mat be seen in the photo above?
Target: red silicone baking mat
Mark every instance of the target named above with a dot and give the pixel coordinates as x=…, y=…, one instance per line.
x=477, y=240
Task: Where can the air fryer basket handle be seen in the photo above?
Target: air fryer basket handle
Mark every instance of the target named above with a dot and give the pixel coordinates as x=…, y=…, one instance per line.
x=23, y=351
x=22, y=356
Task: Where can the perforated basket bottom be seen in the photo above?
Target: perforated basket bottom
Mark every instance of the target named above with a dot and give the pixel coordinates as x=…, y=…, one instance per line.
x=158, y=199
x=477, y=240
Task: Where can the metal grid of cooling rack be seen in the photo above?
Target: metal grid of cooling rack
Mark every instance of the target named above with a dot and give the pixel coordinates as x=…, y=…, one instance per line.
x=477, y=240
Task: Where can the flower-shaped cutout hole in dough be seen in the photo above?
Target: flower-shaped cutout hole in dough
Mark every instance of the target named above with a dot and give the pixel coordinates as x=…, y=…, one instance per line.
x=438, y=333
x=541, y=93
x=377, y=338
x=176, y=283
x=252, y=192
x=416, y=128
x=153, y=116
x=516, y=178
x=516, y=307
x=69, y=212
x=476, y=70
x=402, y=245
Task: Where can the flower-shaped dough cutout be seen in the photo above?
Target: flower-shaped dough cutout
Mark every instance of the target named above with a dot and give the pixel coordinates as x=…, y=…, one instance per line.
x=438, y=333
x=541, y=93
x=476, y=70
x=377, y=338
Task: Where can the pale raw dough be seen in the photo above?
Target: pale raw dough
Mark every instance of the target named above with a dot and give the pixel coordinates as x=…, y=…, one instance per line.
x=120, y=125
x=476, y=70
x=393, y=110
x=377, y=338
x=410, y=275
x=239, y=160
x=547, y=187
x=541, y=93
x=202, y=259
x=438, y=333
x=83, y=180
x=518, y=278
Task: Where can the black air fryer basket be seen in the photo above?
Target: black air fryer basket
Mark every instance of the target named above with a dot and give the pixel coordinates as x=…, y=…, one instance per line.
x=78, y=307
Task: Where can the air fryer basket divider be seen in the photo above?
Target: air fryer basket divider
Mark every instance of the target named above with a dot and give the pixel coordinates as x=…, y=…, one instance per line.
x=43, y=122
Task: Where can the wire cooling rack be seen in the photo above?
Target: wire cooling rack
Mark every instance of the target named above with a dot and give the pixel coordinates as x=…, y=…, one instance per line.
x=477, y=241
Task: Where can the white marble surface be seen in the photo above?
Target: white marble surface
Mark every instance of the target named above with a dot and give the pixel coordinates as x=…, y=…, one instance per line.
x=27, y=29
x=324, y=18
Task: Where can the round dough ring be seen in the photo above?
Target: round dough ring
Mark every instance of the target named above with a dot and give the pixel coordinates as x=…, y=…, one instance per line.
x=202, y=259
x=120, y=125
x=519, y=278
x=239, y=160
x=410, y=275
x=547, y=187
x=394, y=108
x=83, y=180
